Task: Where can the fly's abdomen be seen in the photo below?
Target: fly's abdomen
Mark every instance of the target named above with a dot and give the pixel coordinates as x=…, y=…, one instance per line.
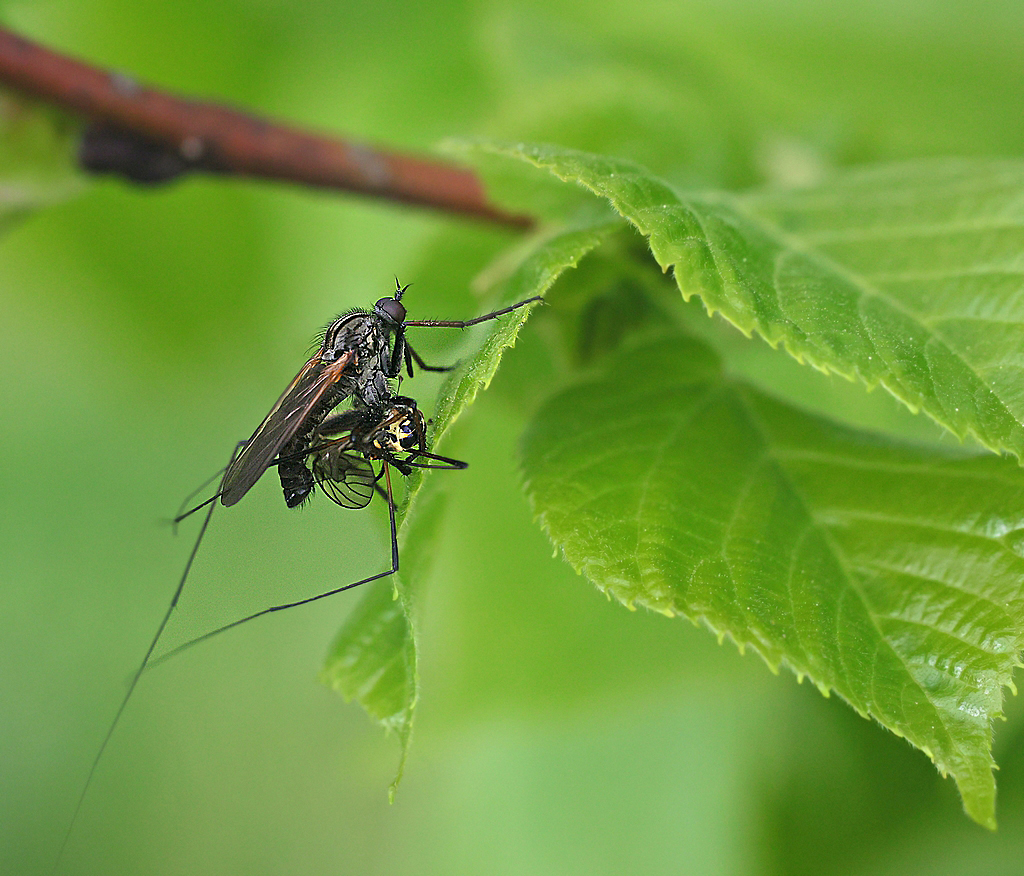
x=296, y=481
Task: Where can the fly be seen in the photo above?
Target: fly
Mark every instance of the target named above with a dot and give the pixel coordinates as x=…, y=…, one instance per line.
x=360, y=353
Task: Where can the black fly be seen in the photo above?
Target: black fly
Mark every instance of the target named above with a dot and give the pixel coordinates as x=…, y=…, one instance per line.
x=360, y=353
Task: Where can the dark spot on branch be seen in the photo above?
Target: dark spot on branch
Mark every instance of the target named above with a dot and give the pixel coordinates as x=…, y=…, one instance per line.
x=107, y=150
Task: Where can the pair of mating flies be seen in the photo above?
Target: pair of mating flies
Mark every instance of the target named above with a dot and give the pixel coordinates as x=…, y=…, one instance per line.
x=360, y=354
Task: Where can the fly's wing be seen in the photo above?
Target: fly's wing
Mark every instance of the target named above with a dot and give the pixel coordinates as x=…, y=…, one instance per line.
x=283, y=421
x=347, y=479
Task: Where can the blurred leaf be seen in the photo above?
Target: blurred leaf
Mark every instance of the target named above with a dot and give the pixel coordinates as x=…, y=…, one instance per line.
x=888, y=573
x=677, y=109
x=374, y=658
x=906, y=276
x=532, y=271
x=37, y=155
x=373, y=661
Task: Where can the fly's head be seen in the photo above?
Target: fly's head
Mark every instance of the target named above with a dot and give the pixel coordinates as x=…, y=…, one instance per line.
x=391, y=311
x=402, y=431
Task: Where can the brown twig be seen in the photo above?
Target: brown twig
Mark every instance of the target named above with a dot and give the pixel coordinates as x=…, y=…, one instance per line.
x=150, y=135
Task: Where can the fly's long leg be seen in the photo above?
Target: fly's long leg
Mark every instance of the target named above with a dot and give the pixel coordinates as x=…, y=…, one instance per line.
x=445, y=463
x=466, y=323
x=133, y=683
x=182, y=513
x=284, y=606
x=409, y=353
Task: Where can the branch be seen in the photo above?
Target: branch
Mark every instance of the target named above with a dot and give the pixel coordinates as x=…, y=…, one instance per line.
x=152, y=136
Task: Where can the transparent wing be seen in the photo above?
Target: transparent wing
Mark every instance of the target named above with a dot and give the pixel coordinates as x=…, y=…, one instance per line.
x=348, y=479
x=283, y=421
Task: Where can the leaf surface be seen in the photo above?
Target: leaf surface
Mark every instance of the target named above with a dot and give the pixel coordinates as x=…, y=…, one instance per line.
x=886, y=572
x=374, y=657
x=37, y=157
x=910, y=276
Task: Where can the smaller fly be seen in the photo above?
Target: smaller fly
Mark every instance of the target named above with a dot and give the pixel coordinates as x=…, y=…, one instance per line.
x=340, y=448
x=344, y=444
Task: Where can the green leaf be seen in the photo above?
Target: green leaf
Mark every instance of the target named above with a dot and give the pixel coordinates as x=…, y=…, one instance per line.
x=37, y=155
x=534, y=271
x=886, y=572
x=373, y=659
x=907, y=276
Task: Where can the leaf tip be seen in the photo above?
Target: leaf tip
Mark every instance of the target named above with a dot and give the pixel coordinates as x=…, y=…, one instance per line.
x=393, y=787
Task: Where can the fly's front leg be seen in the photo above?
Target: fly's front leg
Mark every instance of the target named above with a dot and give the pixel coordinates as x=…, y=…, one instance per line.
x=466, y=323
x=411, y=355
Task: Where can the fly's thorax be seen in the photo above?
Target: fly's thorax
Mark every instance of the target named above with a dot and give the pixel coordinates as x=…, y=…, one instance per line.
x=356, y=332
x=365, y=339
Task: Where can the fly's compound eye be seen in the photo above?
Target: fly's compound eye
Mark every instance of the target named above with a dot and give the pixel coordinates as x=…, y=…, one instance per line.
x=414, y=427
x=409, y=440
x=396, y=437
x=391, y=309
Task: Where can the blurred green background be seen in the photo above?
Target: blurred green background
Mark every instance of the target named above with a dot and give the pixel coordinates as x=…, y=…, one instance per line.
x=143, y=333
